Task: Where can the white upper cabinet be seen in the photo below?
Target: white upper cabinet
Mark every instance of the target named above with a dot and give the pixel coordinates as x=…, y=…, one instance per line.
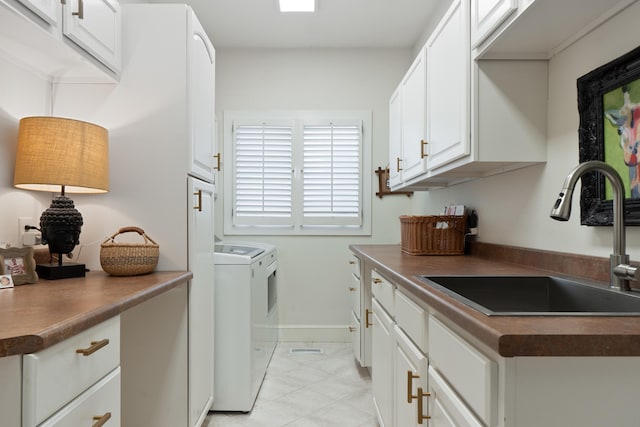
x=79, y=41
x=94, y=25
x=448, y=87
x=407, y=125
x=487, y=15
x=395, y=138
x=201, y=88
x=413, y=102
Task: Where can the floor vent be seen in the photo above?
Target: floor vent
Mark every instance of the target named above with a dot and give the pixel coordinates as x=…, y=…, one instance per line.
x=305, y=350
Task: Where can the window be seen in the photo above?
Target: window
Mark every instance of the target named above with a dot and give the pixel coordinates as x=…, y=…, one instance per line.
x=297, y=173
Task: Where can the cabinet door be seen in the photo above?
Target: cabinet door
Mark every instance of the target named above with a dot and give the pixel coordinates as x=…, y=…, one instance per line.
x=45, y=9
x=448, y=76
x=354, y=329
x=94, y=25
x=446, y=409
x=201, y=300
x=382, y=368
x=487, y=15
x=410, y=382
x=413, y=118
x=395, y=138
x=201, y=101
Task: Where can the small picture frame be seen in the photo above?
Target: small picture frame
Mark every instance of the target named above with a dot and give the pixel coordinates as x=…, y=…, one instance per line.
x=6, y=281
x=19, y=264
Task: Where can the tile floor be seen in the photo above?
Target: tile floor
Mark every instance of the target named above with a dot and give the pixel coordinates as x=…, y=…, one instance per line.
x=307, y=389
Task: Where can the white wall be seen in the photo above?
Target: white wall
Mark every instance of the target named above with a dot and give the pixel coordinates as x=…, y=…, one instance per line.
x=514, y=207
x=314, y=271
x=22, y=94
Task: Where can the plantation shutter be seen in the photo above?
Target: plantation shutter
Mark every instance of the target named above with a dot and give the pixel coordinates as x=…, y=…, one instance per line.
x=332, y=179
x=262, y=179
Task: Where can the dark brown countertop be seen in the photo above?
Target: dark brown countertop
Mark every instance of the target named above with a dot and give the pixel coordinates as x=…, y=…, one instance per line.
x=507, y=335
x=34, y=317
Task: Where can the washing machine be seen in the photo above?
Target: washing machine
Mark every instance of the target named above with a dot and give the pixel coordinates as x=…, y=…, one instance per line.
x=246, y=323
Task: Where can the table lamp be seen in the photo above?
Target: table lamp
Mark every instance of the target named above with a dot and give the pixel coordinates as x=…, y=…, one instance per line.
x=71, y=156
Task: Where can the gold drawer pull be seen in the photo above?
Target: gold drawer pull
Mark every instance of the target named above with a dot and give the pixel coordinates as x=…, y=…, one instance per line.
x=199, y=206
x=353, y=329
x=217, y=166
x=95, y=346
x=352, y=262
x=101, y=420
x=367, y=323
x=421, y=396
x=80, y=12
x=376, y=280
x=410, y=395
x=422, y=144
x=398, y=160
x=352, y=289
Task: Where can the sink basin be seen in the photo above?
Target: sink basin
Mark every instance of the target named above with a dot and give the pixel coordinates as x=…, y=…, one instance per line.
x=536, y=296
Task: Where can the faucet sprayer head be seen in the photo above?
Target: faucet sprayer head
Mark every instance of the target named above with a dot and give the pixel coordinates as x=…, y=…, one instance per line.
x=561, y=210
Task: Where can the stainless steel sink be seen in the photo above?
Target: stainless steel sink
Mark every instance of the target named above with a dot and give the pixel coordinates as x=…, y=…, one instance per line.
x=536, y=296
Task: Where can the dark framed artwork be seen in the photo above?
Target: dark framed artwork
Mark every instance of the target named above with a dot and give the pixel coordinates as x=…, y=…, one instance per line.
x=609, y=107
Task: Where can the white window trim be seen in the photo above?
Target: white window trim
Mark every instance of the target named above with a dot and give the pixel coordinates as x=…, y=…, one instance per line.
x=310, y=116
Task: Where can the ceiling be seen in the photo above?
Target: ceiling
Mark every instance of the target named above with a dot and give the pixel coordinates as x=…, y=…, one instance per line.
x=335, y=24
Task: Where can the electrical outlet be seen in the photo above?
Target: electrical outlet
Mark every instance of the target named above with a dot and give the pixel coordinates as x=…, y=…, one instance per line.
x=27, y=237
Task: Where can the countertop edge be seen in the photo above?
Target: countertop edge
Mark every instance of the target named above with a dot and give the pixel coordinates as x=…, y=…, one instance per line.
x=502, y=340
x=47, y=337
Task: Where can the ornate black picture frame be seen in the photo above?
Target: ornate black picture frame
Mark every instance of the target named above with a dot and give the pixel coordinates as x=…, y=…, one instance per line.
x=613, y=78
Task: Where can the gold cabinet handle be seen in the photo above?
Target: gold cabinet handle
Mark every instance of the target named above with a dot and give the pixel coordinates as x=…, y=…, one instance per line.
x=80, y=12
x=217, y=167
x=422, y=145
x=352, y=262
x=95, y=346
x=398, y=160
x=421, y=396
x=352, y=329
x=376, y=280
x=199, y=206
x=352, y=289
x=367, y=312
x=410, y=378
x=101, y=420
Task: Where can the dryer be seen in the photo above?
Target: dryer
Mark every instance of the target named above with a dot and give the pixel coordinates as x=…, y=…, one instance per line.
x=246, y=323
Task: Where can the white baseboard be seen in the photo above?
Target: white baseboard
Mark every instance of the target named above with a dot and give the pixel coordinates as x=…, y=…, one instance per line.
x=315, y=333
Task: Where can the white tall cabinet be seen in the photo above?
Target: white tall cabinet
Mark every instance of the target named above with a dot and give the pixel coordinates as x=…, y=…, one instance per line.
x=160, y=118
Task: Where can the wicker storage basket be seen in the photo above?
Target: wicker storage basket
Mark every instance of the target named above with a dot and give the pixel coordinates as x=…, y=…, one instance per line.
x=425, y=235
x=129, y=259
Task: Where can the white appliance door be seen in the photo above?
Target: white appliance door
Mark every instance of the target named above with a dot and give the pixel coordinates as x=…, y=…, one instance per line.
x=201, y=299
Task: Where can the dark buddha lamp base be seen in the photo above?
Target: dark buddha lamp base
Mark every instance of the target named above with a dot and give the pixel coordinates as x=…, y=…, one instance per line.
x=64, y=271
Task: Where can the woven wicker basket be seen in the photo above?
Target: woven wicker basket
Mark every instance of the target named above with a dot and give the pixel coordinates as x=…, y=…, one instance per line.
x=425, y=235
x=129, y=259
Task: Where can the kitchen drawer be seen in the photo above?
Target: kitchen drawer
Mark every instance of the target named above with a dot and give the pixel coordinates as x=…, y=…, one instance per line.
x=102, y=400
x=413, y=319
x=354, y=291
x=355, y=265
x=55, y=376
x=470, y=373
x=383, y=290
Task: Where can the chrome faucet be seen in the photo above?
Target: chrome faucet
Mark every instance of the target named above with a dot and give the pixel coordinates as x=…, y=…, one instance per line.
x=620, y=269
